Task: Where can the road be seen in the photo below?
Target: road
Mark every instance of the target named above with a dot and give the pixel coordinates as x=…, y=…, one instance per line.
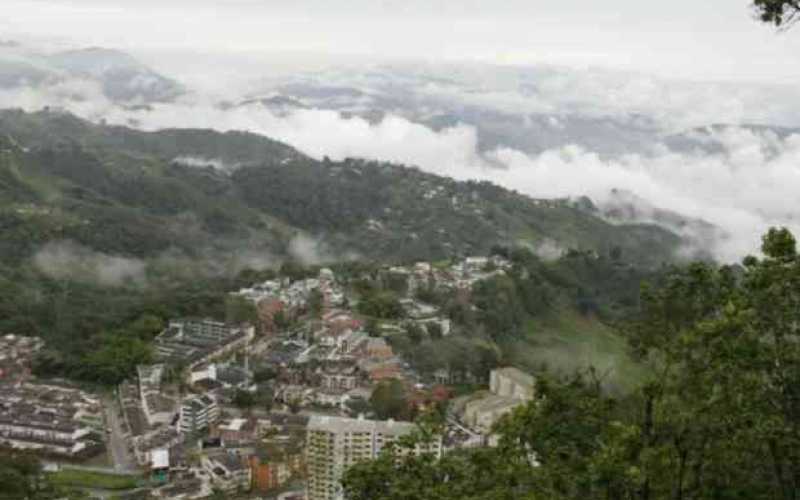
x=118, y=448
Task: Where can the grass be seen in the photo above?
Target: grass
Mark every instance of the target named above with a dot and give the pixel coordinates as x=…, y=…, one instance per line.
x=566, y=342
x=87, y=479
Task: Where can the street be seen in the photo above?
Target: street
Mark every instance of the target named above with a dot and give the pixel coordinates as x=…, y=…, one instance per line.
x=123, y=459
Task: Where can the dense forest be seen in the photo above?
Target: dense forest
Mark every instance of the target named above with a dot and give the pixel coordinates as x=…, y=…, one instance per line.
x=716, y=416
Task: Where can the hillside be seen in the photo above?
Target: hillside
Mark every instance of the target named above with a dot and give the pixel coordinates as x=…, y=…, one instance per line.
x=122, y=191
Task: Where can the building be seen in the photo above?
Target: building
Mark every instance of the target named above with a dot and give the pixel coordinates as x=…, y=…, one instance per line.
x=193, y=342
x=512, y=383
x=229, y=472
x=272, y=469
x=335, y=443
x=159, y=464
x=44, y=432
x=510, y=387
x=198, y=413
x=49, y=419
x=157, y=408
x=235, y=431
x=481, y=414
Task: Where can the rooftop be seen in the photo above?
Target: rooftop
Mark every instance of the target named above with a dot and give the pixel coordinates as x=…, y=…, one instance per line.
x=342, y=424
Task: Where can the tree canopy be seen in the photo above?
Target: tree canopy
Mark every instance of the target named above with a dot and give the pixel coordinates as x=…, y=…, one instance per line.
x=717, y=416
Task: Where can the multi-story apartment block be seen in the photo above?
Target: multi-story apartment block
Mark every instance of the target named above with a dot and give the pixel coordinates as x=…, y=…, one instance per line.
x=334, y=444
x=196, y=341
x=197, y=413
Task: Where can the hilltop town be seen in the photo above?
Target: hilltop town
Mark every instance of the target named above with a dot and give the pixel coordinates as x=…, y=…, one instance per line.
x=279, y=405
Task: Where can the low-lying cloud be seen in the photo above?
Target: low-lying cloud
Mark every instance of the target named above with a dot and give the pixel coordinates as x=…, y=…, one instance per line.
x=71, y=261
x=743, y=185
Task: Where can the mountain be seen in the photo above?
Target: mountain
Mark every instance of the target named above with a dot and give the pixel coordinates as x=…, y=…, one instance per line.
x=123, y=77
x=120, y=76
x=140, y=194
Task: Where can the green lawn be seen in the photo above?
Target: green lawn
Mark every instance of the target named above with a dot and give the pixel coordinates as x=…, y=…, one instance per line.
x=566, y=342
x=85, y=479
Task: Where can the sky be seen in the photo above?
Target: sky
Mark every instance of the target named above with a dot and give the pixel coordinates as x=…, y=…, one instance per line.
x=689, y=39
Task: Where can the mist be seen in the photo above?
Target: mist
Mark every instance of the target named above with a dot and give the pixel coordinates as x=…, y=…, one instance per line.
x=738, y=178
x=70, y=261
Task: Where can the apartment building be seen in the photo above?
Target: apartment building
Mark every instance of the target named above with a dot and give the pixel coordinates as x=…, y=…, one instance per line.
x=197, y=341
x=197, y=413
x=335, y=443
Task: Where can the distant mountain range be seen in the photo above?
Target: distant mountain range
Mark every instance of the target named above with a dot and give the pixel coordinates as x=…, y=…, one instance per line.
x=121, y=77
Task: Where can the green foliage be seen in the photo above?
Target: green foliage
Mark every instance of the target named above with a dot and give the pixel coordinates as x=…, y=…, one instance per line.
x=316, y=302
x=777, y=12
x=240, y=310
x=435, y=331
x=383, y=305
x=21, y=477
x=388, y=400
x=264, y=374
x=715, y=417
x=115, y=360
x=86, y=479
x=500, y=308
x=414, y=332
x=244, y=400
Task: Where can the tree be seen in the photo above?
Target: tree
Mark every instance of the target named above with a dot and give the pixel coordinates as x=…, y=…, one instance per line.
x=265, y=397
x=264, y=374
x=373, y=327
x=716, y=416
x=778, y=12
x=240, y=310
x=388, y=400
x=383, y=305
x=146, y=327
x=414, y=332
x=435, y=330
x=316, y=302
x=244, y=400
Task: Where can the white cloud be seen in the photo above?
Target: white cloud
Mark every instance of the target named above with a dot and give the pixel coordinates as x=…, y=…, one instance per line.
x=68, y=260
x=747, y=184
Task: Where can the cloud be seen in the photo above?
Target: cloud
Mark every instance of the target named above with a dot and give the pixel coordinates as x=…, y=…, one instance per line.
x=311, y=251
x=743, y=184
x=214, y=163
x=68, y=260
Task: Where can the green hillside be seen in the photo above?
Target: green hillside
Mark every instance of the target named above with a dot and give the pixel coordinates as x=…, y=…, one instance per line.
x=106, y=231
x=119, y=190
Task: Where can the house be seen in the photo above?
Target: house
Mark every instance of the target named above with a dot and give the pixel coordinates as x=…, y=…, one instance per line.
x=235, y=431
x=378, y=349
x=229, y=472
x=157, y=408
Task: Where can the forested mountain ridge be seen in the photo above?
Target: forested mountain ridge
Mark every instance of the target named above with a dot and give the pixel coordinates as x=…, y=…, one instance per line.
x=136, y=193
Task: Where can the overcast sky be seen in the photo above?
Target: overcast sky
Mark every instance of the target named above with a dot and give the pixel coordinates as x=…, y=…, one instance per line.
x=695, y=39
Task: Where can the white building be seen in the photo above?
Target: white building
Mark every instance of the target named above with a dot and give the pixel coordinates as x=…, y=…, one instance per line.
x=510, y=388
x=334, y=444
x=228, y=472
x=157, y=408
x=513, y=383
x=197, y=413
